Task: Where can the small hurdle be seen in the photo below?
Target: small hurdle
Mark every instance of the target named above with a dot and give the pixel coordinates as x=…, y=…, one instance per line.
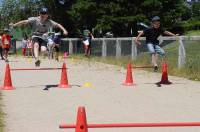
x=35, y=69
x=82, y=126
x=7, y=85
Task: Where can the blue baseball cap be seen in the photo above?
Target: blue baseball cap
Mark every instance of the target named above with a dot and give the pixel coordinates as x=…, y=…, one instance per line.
x=44, y=10
x=155, y=18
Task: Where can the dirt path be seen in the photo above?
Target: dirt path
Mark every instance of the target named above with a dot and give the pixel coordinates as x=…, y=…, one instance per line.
x=36, y=106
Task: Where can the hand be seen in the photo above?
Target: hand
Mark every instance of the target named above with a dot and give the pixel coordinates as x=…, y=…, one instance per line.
x=65, y=33
x=11, y=25
x=137, y=42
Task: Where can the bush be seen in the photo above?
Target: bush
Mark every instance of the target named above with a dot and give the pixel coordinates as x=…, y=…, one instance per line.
x=191, y=25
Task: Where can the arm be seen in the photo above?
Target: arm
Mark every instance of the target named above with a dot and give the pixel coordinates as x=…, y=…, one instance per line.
x=138, y=37
x=169, y=33
x=92, y=36
x=23, y=22
x=63, y=29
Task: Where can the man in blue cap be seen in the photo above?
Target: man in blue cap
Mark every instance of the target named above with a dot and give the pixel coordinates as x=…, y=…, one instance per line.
x=152, y=42
x=40, y=26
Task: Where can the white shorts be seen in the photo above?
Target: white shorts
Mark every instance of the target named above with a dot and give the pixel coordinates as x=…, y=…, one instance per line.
x=86, y=42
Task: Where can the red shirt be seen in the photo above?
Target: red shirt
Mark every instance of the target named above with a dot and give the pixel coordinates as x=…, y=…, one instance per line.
x=6, y=40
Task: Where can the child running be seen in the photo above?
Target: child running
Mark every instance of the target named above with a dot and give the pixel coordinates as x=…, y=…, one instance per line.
x=152, y=42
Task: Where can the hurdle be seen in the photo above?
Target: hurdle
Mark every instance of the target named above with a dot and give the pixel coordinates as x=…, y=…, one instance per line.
x=35, y=69
x=82, y=126
x=7, y=85
x=143, y=67
x=120, y=125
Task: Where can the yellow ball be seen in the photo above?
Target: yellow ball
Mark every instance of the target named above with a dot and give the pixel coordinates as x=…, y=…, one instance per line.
x=87, y=85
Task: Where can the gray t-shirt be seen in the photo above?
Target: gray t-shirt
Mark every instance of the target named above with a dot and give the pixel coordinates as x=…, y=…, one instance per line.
x=41, y=27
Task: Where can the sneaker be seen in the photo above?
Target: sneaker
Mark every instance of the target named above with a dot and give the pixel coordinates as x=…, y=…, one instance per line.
x=37, y=63
x=155, y=68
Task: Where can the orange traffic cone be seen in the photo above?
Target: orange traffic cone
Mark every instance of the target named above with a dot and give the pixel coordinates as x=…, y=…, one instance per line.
x=129, y=78
x=64, y=80
x=164, y=79
x=7, y=80
x=81, y=123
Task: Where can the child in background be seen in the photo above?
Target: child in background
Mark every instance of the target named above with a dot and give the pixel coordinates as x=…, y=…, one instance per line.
x=6, y=43
x=24, y=44
x=29, y=47
x=87, y=41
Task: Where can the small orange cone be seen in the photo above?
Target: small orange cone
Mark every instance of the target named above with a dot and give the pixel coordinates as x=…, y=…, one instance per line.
x=129, y=78
x=81, y=123
x=164, y=79
x=7, y=80
x=64, y=80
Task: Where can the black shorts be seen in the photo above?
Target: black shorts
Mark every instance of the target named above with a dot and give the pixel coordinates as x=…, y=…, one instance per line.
x=40, y=41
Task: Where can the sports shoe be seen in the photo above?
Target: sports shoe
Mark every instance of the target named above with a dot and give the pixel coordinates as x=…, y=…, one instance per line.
x=155, y=68
x=37, y=63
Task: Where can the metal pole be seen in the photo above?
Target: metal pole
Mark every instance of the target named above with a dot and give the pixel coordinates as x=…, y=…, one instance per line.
x=168, y=124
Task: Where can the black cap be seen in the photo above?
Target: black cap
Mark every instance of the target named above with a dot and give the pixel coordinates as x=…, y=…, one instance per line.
x=155, y=18
x=44, y=10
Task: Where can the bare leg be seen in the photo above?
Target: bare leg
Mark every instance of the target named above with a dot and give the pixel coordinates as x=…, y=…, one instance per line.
x=36, y=51
x=86, y=50
x=36, y=54
x=89, y=50
x=1, y=52
x=44, y=51
x=154, y=59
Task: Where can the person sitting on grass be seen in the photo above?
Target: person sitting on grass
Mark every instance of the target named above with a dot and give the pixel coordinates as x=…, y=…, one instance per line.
x=152, y=33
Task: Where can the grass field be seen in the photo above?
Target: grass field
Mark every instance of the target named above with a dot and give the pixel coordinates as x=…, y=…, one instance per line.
x=191, y=70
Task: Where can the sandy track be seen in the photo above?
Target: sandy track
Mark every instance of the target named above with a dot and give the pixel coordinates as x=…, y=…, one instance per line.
x=32, y=108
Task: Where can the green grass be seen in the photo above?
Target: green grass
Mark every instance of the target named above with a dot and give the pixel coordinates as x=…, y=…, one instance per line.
x=193, y=32
x=191, y=70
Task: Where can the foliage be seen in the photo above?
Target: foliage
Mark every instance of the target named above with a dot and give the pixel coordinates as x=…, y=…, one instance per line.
x=117, y=16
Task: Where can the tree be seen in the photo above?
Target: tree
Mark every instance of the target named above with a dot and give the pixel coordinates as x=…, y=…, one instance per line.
x=196, y=10
x=118, y=16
